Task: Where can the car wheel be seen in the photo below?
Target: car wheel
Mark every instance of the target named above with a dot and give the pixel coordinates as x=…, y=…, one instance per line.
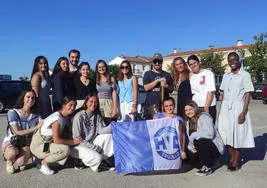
x=264, y=101
x=2, y=107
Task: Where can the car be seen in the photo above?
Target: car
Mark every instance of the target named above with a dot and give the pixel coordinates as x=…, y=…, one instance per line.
x=264, y=95
x=10, y=91
x=218, y=81
x=258, y=87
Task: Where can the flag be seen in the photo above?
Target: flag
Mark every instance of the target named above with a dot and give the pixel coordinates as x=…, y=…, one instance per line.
x=146, y=145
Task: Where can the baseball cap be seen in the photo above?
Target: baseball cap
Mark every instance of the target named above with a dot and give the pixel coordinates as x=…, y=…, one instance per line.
x=157, y=56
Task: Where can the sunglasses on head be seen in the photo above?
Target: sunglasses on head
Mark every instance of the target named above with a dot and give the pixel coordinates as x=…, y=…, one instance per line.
x=124, y=67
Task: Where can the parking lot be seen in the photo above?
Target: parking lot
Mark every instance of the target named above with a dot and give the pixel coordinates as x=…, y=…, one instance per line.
x=252, y=174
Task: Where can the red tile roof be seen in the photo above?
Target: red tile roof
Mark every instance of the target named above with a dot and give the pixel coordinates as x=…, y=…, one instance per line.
x=138, y=59
x=198, y=52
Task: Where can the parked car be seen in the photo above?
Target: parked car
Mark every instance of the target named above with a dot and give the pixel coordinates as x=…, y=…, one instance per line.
x=10, y=91
x=258, y=87
x=264, y=95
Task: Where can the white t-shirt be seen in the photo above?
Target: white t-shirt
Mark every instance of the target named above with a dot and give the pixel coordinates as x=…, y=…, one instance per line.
x=46, y=129
x=201, y=84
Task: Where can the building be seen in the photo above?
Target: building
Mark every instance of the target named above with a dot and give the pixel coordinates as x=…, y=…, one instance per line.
x=139, y=65
x=240, y=46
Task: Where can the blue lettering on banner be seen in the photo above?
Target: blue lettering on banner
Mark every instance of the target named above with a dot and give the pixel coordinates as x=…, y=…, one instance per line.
x=167, y=143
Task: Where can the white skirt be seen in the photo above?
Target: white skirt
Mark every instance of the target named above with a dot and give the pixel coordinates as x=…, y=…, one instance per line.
x=235, y=134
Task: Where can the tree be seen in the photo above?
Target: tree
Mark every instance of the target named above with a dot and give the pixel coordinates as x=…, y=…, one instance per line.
x=214, y=61
x=256, y=64
x=114, y=70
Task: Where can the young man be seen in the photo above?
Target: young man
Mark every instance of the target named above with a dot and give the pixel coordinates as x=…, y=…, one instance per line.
x=74, y=57
x=203, y=86
x=153, y=80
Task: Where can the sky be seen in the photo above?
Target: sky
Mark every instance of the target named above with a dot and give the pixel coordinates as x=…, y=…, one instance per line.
x=106, y=29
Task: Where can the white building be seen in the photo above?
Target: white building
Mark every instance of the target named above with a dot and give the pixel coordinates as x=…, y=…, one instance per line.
x=139, y=65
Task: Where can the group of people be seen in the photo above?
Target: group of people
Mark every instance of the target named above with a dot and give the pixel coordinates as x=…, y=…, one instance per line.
x=77, y=121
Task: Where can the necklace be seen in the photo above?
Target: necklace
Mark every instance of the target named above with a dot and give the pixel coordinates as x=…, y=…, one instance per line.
x=85, y=81
x=24, y=114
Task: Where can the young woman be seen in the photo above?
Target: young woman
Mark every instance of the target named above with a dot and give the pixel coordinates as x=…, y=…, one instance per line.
x=61, y=82
x=96, y=143
x=202, y=86
x=180, y=75
x=83, y=84
x=168, y=111
x=127, y=88
x=23, y=121
x=234, y=121
x=41, y=84
x=205, y=144
x=107, y=91
x=47, y=144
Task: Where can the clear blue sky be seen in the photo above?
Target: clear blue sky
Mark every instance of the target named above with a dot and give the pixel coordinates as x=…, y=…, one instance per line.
x=106, y=29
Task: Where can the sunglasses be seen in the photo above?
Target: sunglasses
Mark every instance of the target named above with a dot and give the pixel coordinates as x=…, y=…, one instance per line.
x=157, y=61
x=125, y=67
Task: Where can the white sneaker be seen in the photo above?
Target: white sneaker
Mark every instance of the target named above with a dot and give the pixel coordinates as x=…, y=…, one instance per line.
x=94, y=169
x=46, y=170
x=9, y=167
x=21, y=168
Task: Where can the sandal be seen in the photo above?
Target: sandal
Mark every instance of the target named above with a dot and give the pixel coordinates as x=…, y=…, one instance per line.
x=232, y=168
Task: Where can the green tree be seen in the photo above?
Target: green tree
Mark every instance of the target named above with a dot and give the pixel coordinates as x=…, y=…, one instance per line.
x=214, y=61
x=114, y=70
x=92, y=74
x=256, y=64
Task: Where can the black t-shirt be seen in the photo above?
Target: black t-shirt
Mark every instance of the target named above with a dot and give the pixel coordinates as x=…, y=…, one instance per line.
x=82, y=90
x=153, y=96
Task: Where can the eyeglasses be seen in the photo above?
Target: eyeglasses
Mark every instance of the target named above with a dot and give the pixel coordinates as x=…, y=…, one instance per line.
x=157, y=61
x=125, y=67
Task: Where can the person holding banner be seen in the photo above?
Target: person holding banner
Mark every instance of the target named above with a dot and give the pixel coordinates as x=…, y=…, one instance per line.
x=156, y=81
x=96, y=139
x=168, y=111
x=127, y=89
x=205, y=144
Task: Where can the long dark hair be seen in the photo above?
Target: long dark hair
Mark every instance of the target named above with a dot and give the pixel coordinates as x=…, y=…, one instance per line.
x=176, y=74
x=130, y=73
x=193, y=120
x=36, y=64
x=66, y=100
x=57, y=67
x=20, y=101
x=106, y=74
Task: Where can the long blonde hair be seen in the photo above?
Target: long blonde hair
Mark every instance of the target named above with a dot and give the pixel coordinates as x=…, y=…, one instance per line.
x=192, y=121
x=176, y=74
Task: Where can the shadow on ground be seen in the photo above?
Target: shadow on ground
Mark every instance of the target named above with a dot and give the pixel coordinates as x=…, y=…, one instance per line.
x=250, y=154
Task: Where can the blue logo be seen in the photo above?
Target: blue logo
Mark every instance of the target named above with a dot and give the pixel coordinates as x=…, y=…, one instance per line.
x=167, y=143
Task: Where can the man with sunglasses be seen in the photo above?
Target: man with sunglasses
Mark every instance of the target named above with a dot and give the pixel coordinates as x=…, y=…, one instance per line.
x=153, y=80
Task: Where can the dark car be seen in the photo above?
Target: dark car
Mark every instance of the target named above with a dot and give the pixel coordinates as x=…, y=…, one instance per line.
x=218, y=81
x=10, y=91
x=258, y=87
x=264, y=95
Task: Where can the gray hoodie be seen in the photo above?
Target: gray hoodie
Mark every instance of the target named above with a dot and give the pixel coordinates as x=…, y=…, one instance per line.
x=84, y=126
x=205, y=129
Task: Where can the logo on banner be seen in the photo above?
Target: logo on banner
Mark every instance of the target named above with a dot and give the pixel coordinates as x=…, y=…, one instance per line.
x=167, y=143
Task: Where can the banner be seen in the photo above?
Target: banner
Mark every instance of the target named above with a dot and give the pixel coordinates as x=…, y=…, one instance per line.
x=146, y=145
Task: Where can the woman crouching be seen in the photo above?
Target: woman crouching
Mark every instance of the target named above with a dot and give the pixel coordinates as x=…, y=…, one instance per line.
x=47, y=144
x=205, y=144
x=97, y=143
